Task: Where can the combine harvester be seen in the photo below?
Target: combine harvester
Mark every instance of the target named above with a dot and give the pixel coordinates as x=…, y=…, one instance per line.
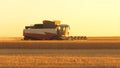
x=49, y=30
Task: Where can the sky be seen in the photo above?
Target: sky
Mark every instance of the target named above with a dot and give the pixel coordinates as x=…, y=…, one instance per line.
x=85, y=17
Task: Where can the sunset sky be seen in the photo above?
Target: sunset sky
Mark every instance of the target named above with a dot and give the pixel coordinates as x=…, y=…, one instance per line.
x=85, y=17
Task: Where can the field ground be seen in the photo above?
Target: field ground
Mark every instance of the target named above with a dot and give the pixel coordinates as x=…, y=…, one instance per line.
x=91, y=53
x=59, y=58
x=60, y=44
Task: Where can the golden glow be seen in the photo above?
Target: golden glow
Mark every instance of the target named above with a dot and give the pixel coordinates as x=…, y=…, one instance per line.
x=86, y=17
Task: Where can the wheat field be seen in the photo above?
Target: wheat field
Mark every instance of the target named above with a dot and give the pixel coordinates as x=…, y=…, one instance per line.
x=38, y=61
x=91, y=53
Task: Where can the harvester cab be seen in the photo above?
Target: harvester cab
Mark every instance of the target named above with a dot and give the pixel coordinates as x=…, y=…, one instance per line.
x=63, y=30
